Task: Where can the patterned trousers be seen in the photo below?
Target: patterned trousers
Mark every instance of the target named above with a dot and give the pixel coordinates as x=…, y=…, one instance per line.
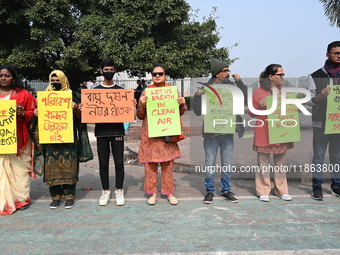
x=151, y=177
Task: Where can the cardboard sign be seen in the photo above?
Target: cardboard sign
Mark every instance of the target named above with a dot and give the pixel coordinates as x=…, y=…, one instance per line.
x=333, y=111
x=8, y=127
x=283, y=128
x=163, y=112
x=219, y=117
x=107, y=105
x=55, y=119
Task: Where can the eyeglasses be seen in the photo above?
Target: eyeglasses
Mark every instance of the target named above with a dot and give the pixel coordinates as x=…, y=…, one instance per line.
x=160, y=74
x=225, y=71
x=281, y=74
x=335, y=53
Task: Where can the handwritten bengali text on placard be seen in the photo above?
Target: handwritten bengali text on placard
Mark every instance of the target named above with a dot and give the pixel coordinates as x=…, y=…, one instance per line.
x=333, y=111
x=55, y=117
x=107, y=105
x=219, y=118
x=283, y=128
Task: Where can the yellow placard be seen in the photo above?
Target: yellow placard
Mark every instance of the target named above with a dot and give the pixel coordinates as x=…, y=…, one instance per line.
x=55, y=117
x=8, y=127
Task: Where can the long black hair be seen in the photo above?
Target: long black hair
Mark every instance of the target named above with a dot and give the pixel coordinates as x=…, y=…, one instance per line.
x=264, y=76
x=17, y=84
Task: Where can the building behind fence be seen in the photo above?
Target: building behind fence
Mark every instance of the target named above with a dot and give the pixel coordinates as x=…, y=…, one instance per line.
x=186, y=87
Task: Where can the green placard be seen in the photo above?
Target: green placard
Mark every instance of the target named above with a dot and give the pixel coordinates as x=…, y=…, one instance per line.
x=283, y=128
x=333, y=111
x=163, y=112
x=219, y=118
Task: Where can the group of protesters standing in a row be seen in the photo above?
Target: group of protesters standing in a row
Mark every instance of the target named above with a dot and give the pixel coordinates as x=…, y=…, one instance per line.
x=59, y=163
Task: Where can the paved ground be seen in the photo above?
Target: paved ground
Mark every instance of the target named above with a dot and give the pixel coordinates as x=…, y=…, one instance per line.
x=301, y=226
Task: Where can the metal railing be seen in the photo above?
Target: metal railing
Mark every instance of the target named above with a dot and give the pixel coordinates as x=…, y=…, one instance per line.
x=186, y=86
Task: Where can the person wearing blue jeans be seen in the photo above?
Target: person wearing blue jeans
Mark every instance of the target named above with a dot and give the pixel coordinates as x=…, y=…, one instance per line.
x=211, y=145
x=317, y=85
x=320, y=143
x=212, y=142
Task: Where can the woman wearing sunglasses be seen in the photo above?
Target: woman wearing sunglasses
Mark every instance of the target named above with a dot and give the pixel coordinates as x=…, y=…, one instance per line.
x=271, y=77
x=154, y=151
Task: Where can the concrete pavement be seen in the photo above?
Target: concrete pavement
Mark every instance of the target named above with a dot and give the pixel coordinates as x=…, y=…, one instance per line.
x=301, y=226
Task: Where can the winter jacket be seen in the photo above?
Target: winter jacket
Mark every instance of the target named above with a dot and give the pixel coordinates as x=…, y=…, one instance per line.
x=317, y=82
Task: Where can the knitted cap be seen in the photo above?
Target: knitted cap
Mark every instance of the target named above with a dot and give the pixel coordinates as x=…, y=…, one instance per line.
x=216, y=66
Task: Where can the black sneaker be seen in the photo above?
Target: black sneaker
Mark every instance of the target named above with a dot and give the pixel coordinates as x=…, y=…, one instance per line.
x=208, y=198
x=69, y=204
x=55, y=204
x=229, y=196
x=336, y=192
x=317, y=193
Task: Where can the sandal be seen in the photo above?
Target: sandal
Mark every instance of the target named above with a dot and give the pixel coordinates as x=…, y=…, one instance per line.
x=172, y=200
x=152, y=200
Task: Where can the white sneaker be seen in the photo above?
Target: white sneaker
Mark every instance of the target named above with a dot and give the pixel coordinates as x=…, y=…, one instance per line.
x=120, y=197
x=286, y=197
x=105, y=197
x=264, y=198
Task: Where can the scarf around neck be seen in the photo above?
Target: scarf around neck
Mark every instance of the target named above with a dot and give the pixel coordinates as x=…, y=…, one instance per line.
x=333, y=71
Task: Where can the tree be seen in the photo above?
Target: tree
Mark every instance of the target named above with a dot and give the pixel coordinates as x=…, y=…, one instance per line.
x=332, y=11
x=74, y=36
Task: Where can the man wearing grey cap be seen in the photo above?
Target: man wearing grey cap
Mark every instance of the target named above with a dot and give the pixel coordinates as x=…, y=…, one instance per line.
x=220, y=75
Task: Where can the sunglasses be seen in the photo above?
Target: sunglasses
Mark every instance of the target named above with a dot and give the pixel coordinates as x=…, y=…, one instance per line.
x=281, y=74
x=160, y=74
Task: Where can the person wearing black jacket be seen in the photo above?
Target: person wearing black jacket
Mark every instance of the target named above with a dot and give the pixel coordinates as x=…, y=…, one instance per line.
x=220, y=75
x=317, y=84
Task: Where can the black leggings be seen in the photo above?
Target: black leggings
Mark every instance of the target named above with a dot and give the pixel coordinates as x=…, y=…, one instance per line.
x=103, y=149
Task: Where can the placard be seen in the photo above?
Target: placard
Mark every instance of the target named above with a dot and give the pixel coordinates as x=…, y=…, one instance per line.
x=283, y=128
x=55, y=118
x=219, y=117
x=8, y=127
x=163, y=111
x=333, y=111
x=107, y=105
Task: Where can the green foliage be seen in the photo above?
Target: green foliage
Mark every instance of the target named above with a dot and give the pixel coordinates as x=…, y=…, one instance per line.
x=332, y=11
x=72, y=35
x=31, y=90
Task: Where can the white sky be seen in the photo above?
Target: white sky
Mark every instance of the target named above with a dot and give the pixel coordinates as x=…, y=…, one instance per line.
x=293, y=33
